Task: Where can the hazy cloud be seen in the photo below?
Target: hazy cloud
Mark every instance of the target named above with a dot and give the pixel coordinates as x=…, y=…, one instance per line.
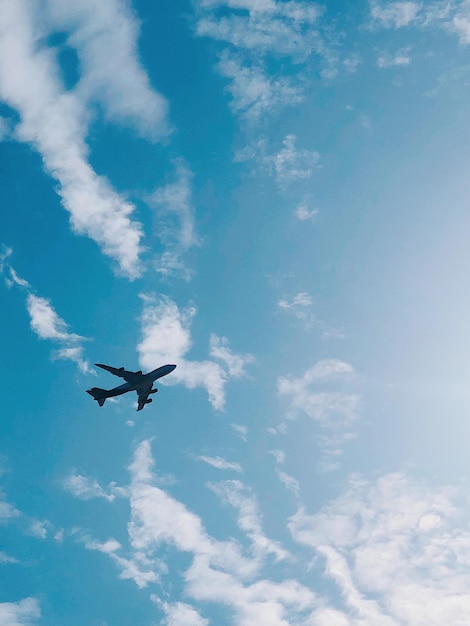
x=394, y=14
x=176, y=224
x=6, y=558
x=400, y=58
x=241, y=430
x=319, y=393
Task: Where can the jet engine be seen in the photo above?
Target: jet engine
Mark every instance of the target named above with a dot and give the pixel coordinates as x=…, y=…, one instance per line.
x=154, y=390
x=148, y=401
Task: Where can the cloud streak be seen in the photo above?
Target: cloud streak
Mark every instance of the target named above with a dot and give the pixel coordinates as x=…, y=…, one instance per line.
x=220, y=463
x=44, y=320
x=176, y=223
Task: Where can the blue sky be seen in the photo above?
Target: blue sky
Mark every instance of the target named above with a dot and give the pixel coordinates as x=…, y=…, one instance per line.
x=273, y=195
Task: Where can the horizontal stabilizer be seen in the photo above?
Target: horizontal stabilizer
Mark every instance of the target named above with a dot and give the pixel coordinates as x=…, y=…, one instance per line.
x=98, y=394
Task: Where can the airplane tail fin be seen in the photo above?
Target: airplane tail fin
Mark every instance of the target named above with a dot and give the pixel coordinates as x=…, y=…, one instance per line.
x=98, y=394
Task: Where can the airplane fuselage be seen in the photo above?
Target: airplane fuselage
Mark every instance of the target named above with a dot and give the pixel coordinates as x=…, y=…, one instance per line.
x=135, y=381
x=144, y=382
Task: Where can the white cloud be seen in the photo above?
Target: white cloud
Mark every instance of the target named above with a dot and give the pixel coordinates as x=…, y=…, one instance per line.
x=241, y=430
x=289, y=482
x=277, y=28
x=22, y=613
x=250, y=39
x=395, y=14
x=55, y=122
x=249, y=517
x=220, y=463
x=166, y=338
x=39, y=528
x=289, y=165
x=47, y=324
x=398, y=551
x=460, y=23
x=105, y=36
x=333, y=409
x=7, y=510
x=302, y=299
x=400, y=58
x=235, y=363
x=218, y=571
x=304, y=214
x=300, y=307
x=6, y=558
x=181, y=614
x=255, y=93
x=12, y=277
x=174, y=201
x=44, y=320
x=85, y=488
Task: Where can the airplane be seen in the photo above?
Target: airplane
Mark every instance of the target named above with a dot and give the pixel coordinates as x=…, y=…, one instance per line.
x=135, y=381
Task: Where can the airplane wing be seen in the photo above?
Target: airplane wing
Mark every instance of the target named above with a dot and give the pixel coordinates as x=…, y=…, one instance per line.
x=129, y=377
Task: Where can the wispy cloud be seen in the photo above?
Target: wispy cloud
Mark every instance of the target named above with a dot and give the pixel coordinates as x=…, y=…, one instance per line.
x=287, y=165
x=55, y=120
x=397, y=551
x=22, y=613
x=253, y=91
x=6, y=558
x=290, y=483
x=85, y=488
x=316, y=395
x=47, y=324
x=241, y=430
x=300, y=307
x=44, y=320
x=400, y=58
x=235, y=363
x=219, y=572
x=7, y=510
x=394, y=14
x=173, y=201
x=220, y=463
x=242, y=499
x=250, y=35
x=166, y=338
